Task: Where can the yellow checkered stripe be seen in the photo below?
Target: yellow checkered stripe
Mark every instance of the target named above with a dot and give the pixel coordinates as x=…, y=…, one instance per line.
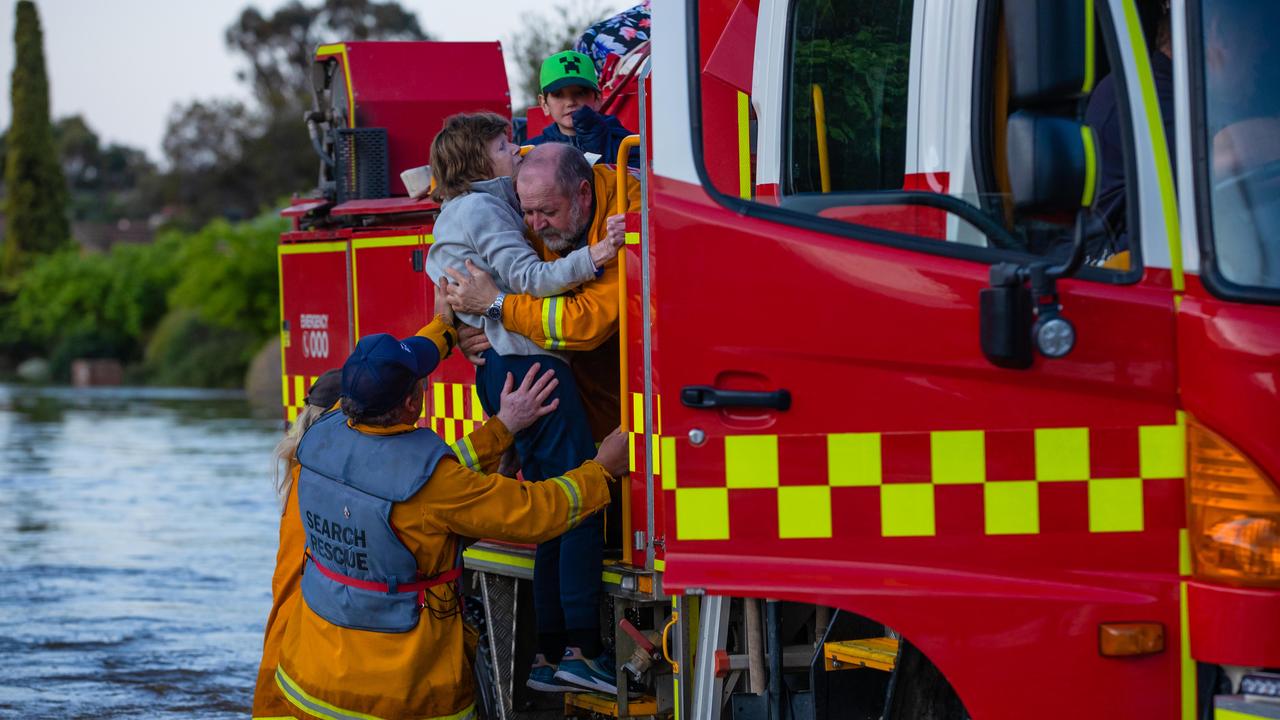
x=455, y=411
x=294, y=393
x=635, y=436
x=553, y=322
x=907, y=509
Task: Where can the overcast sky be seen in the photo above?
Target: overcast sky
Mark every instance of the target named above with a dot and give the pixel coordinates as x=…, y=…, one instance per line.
x=123, y=64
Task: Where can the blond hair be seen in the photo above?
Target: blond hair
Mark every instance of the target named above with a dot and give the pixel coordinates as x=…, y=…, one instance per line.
x=458, y=153
x=286, y=452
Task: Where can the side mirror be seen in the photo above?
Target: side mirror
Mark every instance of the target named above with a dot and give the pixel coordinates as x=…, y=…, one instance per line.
x=1050, y=50
x=1052, y=168
x=1051, y=162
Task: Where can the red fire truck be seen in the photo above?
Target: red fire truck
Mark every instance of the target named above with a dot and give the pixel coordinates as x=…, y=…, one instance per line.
x=944, y=403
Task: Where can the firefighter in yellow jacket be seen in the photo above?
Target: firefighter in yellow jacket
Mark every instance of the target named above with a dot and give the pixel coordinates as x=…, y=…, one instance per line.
x=382, y=504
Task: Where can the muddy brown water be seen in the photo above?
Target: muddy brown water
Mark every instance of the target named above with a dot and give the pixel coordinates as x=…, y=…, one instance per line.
x=139, y=531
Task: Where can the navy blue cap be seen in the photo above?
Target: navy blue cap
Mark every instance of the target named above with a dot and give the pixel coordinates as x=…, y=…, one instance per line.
x=382, y=370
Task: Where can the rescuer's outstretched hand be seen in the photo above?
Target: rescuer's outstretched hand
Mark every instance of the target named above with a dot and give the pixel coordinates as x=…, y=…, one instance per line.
x=523, y=405
x=443, y=308
x=473, y=292
x=614, y=238
x=472, y=342
x=613, y=453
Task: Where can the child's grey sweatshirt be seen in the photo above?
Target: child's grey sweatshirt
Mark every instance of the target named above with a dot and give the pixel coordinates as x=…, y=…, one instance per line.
x=486, y=227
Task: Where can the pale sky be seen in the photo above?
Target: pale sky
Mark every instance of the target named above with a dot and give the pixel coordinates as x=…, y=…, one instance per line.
x=123, y=64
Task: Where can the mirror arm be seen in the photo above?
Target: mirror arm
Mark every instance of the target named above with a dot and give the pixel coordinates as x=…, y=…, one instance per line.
x=1073, y=262
x=970, y=214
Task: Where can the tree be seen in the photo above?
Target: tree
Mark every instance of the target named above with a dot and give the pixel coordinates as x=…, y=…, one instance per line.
x=205, y=144
x=35, y=189
x=79, y=151
x=279, y=48
x=558, y=28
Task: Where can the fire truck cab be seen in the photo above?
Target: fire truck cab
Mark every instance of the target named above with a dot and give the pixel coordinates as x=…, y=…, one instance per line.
x=950, y=357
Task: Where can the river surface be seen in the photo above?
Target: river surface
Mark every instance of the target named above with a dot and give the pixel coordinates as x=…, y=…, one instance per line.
x=139, y=531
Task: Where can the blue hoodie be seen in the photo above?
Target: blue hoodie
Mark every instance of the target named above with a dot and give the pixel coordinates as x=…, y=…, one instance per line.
x=596, y=133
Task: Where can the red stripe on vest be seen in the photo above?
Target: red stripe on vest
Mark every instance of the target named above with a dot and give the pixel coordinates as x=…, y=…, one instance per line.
x=419, y=587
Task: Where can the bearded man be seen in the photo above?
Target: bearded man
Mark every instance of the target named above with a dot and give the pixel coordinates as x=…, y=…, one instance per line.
x=566, y=204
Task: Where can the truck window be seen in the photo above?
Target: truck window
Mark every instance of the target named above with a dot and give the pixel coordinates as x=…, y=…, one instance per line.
x=873, y=103
x=1239, y=57
x=849, y=75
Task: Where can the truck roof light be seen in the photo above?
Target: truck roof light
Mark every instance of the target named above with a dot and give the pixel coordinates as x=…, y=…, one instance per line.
x=1233, y=513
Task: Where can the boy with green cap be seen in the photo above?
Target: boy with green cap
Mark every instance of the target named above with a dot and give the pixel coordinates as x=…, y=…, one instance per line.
x=571, y=98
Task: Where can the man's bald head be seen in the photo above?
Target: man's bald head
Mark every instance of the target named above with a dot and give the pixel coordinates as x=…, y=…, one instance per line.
x=557, y=163
x=556, y=189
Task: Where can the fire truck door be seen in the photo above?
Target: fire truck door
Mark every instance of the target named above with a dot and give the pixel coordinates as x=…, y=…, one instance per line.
x=832, y=427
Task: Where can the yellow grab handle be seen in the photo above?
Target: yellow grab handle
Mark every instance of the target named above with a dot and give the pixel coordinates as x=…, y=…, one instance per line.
x=620, y=200
x=675, y=666
x=820, y=120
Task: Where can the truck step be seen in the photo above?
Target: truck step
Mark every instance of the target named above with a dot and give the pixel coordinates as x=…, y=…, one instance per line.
x=587, y=704
x=510, y=560
x=878, y=653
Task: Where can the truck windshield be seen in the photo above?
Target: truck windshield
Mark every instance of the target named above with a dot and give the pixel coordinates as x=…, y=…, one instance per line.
x=1240, y=50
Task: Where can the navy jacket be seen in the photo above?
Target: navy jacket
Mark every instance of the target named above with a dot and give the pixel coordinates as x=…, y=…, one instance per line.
x=596, y=133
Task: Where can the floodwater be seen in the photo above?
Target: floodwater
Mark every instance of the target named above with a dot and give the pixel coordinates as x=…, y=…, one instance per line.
x=139, y=531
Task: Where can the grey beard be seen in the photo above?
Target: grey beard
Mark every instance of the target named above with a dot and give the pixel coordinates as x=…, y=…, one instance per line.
x=556, y=242
x=559, y=242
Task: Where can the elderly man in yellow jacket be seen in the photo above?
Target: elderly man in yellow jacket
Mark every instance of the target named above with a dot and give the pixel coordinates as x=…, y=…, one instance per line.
x=567, y=204
x=382, y=503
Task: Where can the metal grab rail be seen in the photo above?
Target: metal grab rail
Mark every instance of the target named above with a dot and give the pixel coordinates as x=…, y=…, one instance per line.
x=624, y=150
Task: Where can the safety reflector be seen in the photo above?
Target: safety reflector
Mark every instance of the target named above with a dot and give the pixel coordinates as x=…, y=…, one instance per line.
x=1129, y=639
x=1234, y=513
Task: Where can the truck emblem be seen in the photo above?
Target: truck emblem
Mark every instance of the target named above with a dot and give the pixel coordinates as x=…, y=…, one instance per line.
x=346, y=511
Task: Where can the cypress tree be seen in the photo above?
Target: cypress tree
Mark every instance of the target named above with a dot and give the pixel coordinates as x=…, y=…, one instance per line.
x=35, y=190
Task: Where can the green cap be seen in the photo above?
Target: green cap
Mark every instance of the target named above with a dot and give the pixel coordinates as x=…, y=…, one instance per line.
x=568, y=68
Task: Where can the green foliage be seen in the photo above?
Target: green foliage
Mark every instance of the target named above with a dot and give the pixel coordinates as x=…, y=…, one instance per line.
x=229, y=275
x=860, y=55
x=186, y=350
x=35, y=190
x=216, y=289
x=111, y=298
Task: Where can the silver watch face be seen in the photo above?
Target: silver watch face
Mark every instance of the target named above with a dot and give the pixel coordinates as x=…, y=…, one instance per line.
x=494, y=311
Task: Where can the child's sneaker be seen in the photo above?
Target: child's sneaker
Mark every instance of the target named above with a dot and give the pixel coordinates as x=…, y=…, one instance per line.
x=542, y=677
x=596, y=675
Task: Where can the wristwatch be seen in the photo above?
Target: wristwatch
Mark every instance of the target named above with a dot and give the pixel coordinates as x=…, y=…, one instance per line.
x=494, y=312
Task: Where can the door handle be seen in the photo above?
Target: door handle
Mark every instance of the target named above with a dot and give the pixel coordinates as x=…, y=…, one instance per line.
x=705, y=396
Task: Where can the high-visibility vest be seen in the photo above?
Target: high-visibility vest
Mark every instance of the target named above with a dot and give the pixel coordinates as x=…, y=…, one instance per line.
x=358, y=573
